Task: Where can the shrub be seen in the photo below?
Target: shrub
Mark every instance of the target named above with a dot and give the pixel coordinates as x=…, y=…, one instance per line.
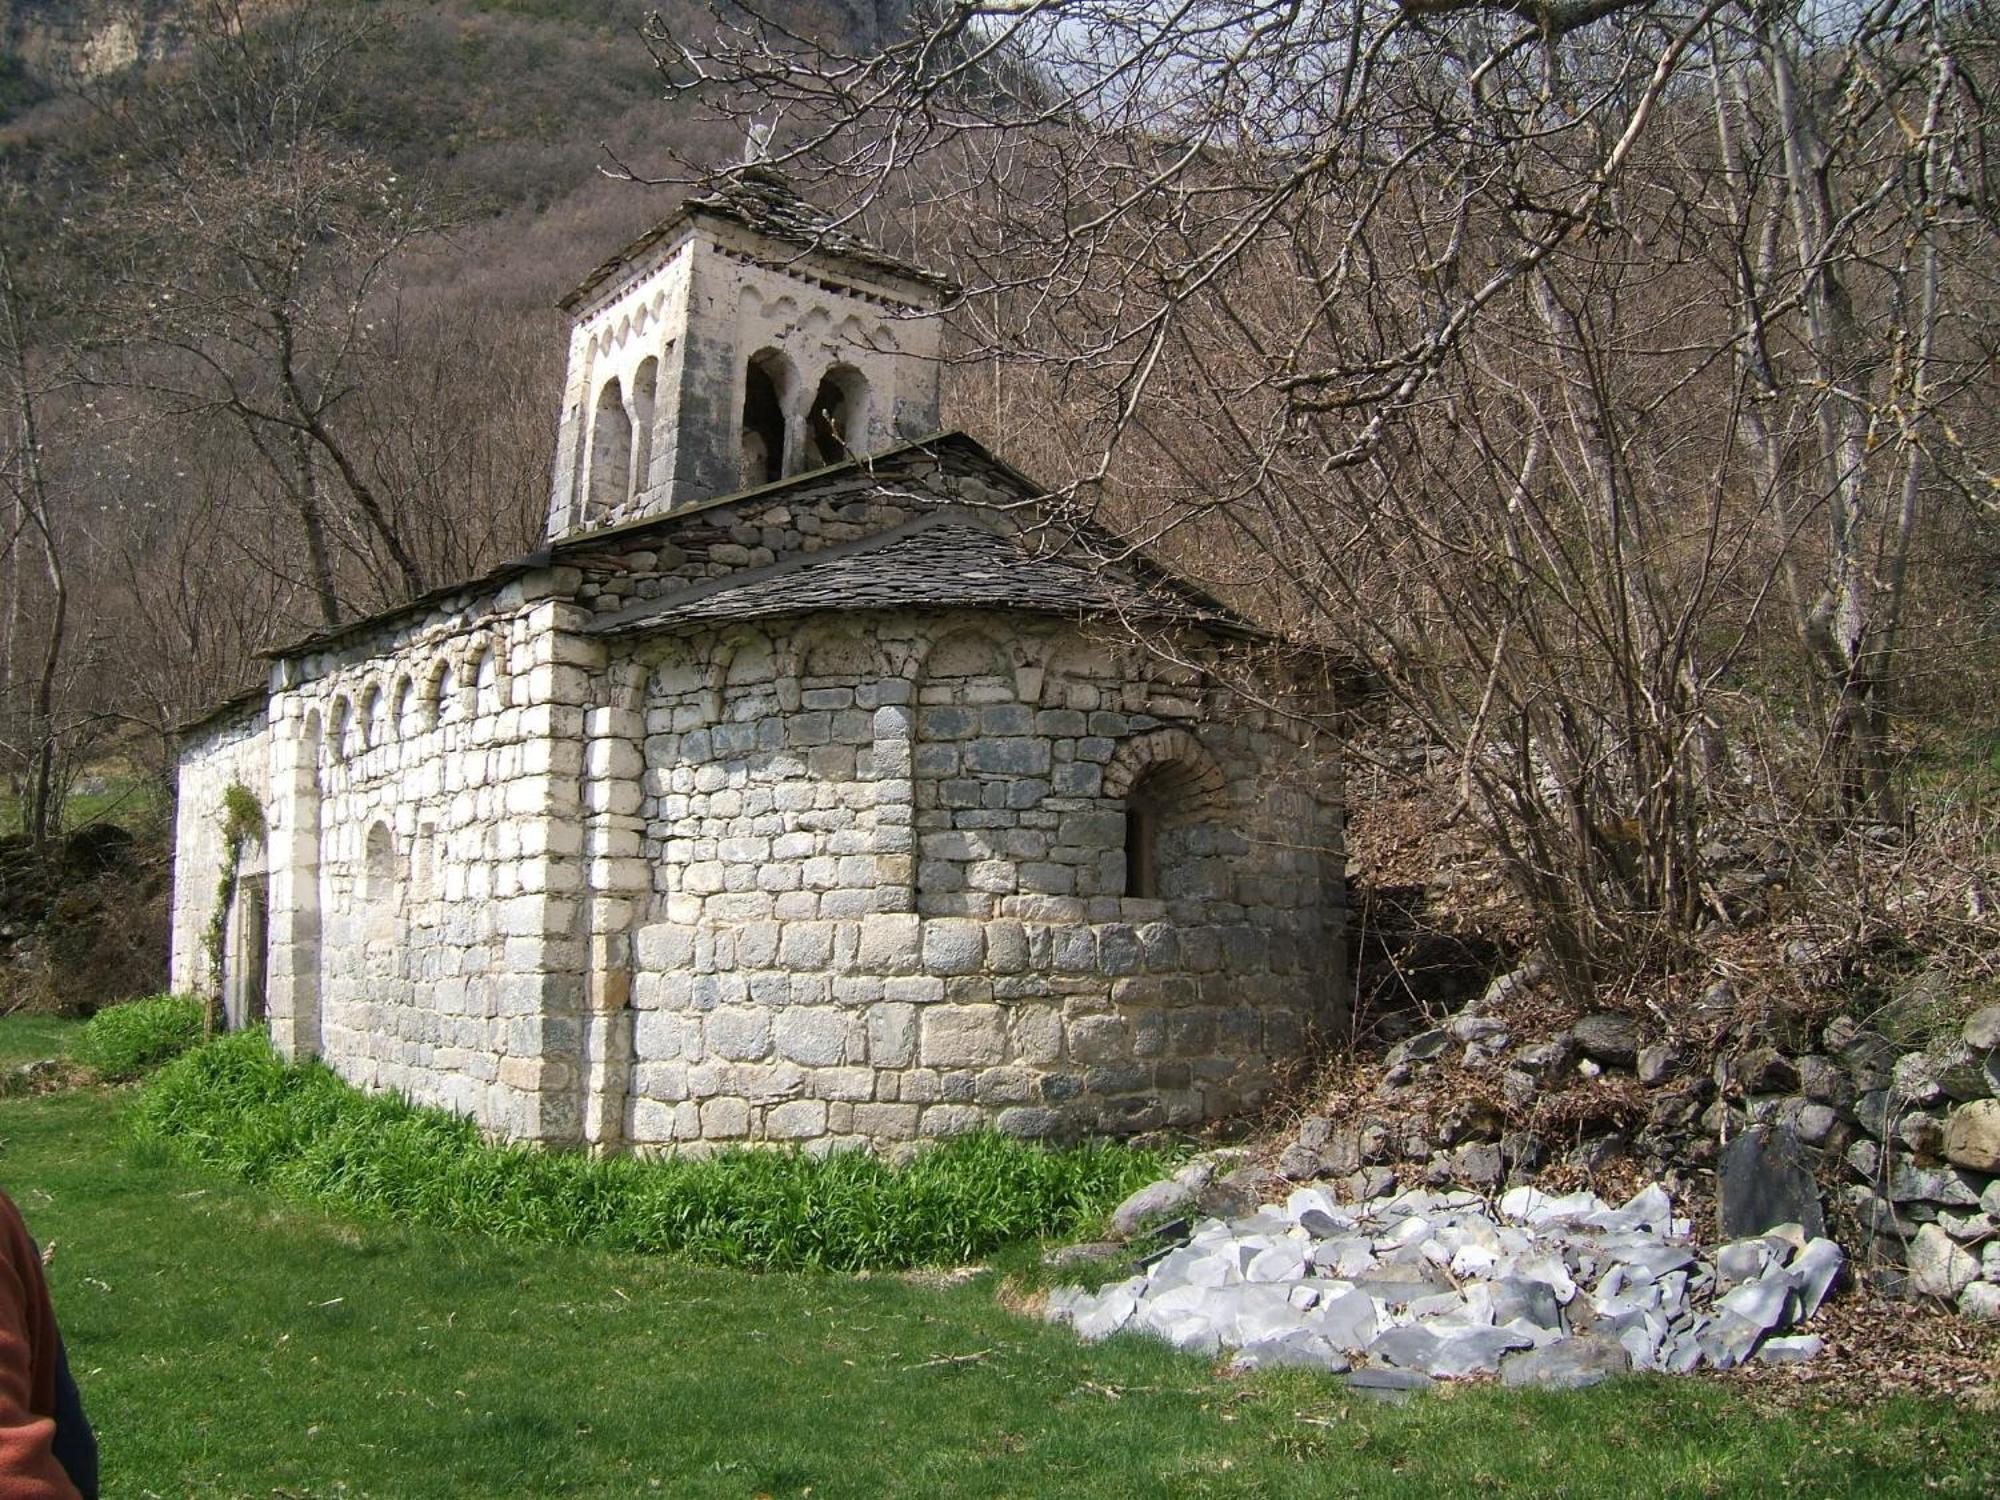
x=129, y=1039
x=303, y=1133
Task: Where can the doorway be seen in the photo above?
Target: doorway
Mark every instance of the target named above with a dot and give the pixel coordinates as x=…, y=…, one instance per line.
x=243, y=991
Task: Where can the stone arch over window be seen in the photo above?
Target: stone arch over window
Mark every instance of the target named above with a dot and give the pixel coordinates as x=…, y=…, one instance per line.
x=442, y=694
x=403, y=707
x=340, y=723
x=610, y=450
x=645, y=402
x=374, y=717
x=378, y=867
x=743, y=675
x=964, y=653
x=1169, y=785
x=837, y=423
x=487, y=697
x=839, y=651
x=768, y=383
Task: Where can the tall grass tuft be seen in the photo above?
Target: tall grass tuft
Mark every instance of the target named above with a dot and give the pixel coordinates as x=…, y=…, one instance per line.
x=303, y=1133
x=124, y=1041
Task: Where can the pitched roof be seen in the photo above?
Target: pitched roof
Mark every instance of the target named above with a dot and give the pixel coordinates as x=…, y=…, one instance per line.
x=898, y=473
x=760, y=199
x=948, y=560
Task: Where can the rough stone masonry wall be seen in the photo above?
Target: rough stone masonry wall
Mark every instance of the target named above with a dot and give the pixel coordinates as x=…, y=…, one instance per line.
x=886, y=860
x=449, y=880
x=513, y=875
x=420, y=789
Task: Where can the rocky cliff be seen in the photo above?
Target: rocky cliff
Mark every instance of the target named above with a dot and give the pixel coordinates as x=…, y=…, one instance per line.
x=59, y=41
x=51, y=42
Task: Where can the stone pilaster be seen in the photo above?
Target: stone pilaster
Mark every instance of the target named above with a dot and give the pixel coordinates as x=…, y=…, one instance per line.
x=292, y=831
x=540, y=991
x=617, y=885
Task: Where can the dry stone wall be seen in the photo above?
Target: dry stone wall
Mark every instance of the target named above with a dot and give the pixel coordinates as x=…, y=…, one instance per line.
x=1884, y=1131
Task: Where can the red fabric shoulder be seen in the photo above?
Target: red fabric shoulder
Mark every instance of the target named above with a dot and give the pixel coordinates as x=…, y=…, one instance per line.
x=28, y=1467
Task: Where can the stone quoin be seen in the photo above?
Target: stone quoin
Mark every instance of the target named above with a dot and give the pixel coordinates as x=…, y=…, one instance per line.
x=820, y=780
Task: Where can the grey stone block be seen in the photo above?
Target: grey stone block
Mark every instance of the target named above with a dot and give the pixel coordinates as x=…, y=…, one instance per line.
x=1583, y=1360
x=1765, y=1181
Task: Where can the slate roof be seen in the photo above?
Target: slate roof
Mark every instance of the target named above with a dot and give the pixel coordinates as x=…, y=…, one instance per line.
x=937, y=561
x=762, y=200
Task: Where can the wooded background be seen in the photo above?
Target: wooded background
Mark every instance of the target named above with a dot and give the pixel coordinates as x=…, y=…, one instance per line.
x=1610, y=381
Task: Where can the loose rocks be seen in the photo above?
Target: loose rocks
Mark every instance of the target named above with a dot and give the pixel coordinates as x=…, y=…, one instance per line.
x=1609, y=1037
x=1418, y=1286
x=1938, y=1267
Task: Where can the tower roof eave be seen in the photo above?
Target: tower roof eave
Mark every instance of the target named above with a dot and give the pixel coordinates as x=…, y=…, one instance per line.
x=760, y=200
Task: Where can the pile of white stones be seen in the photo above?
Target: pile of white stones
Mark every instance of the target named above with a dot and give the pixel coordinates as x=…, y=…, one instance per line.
x=1417, y=1286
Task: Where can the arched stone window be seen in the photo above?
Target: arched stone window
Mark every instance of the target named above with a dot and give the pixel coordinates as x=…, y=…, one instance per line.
x=645, y=392
x=837, y=423
x=378, y=873
x=486, y=683
x=374, y=718
x=610, y=451
x=767, y=387
x=403, y=708
x=444, y=704
x=340, y=725
x=1169, y=786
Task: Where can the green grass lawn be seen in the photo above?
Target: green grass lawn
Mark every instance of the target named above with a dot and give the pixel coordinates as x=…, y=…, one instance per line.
x=230, y=1344
x=31, y=1038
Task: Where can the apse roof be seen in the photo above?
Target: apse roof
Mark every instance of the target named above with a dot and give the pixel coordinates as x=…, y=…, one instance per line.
x=945, y=560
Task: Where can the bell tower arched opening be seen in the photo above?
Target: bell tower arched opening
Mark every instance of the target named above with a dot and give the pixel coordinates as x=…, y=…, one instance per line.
x=645, y=399
x=610, y=451
x=767, y=384
x=739, y=358
x=837, y=424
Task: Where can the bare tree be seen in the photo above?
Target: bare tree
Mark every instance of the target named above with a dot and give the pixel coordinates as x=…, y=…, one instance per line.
x=257, y=252
x=36, y=527
x=1539, y=356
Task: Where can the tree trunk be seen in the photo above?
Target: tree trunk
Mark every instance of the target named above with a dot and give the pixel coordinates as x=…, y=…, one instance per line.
x=313, y=523
x=40, y=816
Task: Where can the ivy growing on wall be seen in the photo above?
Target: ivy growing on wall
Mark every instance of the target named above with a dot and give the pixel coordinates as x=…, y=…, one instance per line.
x=242, y=821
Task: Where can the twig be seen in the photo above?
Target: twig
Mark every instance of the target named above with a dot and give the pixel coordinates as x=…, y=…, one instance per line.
x=954, y=1359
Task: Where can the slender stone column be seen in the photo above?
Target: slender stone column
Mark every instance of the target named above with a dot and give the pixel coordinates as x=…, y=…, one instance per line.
x=892, y=833
x=617, y=880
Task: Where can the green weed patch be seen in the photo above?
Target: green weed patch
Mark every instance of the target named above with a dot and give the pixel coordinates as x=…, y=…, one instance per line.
x=231, y=1344
x=236, y=1106
x=124, y=1041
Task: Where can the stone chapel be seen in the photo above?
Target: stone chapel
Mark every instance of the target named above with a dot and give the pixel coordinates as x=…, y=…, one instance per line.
x=814, y=782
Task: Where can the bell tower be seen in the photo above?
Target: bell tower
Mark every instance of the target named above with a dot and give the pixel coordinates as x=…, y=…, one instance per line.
x=746, y=339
